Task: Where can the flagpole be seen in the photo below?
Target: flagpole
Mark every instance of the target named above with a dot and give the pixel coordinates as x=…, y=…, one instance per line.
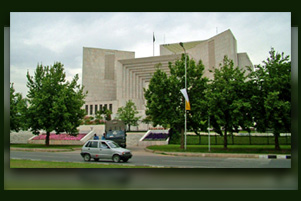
x=185, y=125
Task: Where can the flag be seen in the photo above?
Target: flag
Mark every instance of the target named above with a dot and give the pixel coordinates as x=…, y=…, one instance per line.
x=154, y=39
x=187, y=103
x=154, y=44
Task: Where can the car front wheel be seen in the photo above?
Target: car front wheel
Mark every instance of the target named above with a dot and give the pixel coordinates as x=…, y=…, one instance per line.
x=116, y=158
x=87, y=157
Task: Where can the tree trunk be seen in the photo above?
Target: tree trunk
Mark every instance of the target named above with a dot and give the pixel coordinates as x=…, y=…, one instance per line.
x=129, y=127
x=250, y=142
x=286, y=139
x=277, y=147
x=182, y=139
x=215, y=139
x=47, y=139
x=225, y=139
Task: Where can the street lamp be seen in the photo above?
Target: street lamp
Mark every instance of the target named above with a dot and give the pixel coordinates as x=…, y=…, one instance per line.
x=185, y=125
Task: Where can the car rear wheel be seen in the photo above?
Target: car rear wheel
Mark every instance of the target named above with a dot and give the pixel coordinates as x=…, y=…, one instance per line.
x=87, y=157
x=116, y=158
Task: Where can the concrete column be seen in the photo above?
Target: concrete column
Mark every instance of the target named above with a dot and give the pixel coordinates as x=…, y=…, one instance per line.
x=133, y=85
x=136, y=86
x=140, y=88
x=141, y=91
x=130, y=85
x=123, y=81
x=127, y=83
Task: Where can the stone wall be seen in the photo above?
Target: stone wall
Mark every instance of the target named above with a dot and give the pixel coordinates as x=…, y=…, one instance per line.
x=20, y=137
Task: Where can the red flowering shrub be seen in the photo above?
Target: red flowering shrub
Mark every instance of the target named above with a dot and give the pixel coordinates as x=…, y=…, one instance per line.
x=62, y=136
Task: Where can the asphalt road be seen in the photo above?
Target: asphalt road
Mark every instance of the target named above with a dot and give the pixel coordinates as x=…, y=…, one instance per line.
x=141, y=157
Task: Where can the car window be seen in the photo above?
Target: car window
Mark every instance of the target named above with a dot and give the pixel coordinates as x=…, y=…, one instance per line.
x=93, y=144
x=103, y=145
x=113, y=144
x=88, y=144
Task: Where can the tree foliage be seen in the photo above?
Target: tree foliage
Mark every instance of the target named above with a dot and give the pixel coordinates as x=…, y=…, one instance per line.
x=165, y=103
x=234, y=99
x=272, y=94
x=227, y=99
x=54, y=103
x=128, y=114
x=18, y=106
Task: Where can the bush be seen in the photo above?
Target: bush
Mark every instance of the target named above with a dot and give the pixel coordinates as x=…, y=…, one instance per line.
x=236, y=140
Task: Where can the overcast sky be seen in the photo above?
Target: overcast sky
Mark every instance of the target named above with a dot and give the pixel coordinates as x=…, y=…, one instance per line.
x=49, y=37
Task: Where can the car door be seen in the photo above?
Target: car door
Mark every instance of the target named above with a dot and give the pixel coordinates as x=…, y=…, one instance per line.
x=93, y=149
x=105, y=150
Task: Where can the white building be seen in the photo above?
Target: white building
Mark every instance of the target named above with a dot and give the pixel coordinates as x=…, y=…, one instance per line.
x=113, y=77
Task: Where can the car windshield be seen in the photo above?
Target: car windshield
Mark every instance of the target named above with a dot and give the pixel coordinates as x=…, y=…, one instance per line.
x=113, y=144
x=115, y=134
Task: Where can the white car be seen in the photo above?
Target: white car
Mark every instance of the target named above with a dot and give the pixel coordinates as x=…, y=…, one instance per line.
x=104, y=149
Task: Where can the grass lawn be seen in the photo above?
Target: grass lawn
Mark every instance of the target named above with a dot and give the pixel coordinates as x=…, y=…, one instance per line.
x=19, y=163
x=252, y=149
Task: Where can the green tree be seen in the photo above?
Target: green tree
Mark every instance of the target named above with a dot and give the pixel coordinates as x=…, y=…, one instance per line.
x=228, y=105
x=128, y=114
x=54, y=103
x=18, y=107
x=104, y=113
x=99, y=116
x=272, y=95
x=165, y=103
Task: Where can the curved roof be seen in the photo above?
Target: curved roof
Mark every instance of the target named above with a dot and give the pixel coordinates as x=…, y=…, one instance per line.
x=176, y=48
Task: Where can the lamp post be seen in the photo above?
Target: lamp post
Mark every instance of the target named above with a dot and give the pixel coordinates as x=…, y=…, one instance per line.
x=209, y=133
x=185, y=124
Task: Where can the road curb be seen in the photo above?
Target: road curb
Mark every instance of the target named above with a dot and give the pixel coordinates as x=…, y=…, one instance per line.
x=275, y=156
x=221, y=155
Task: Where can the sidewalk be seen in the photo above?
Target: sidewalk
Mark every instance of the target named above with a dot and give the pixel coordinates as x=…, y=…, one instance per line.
x=221, y=155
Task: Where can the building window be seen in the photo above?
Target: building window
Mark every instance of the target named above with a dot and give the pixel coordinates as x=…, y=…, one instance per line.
x=91, y=109
x=111, y=107
x=87, y=107
x=95, y=109
x=100, y=107
x=105, y=107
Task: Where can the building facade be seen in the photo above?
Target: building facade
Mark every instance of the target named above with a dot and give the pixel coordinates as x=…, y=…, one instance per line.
x=113, y=77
